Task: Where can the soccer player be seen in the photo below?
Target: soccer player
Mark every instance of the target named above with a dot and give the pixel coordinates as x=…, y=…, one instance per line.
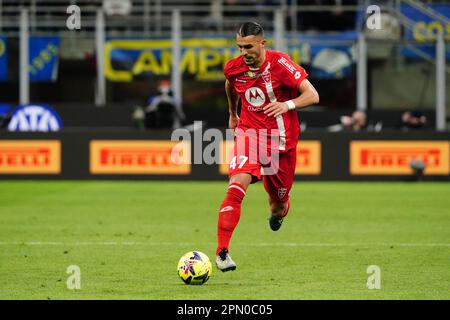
x=268, y=84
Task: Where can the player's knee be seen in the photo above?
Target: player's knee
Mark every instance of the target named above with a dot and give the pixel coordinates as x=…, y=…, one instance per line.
x=243, y=179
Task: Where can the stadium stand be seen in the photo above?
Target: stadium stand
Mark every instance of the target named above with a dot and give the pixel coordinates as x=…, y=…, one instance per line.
x=152, y=19
x=153, y=16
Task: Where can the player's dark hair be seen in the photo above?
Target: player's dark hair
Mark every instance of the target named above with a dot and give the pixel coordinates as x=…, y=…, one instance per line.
x=250, y=29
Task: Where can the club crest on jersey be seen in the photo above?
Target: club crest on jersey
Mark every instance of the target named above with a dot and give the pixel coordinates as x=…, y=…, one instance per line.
x=281, y=192
x=266, y=75
x=255, y=96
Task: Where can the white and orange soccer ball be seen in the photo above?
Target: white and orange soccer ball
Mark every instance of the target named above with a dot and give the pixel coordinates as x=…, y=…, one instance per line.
x=194, y=268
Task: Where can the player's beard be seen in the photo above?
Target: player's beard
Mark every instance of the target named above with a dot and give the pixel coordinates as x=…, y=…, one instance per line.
x=253, y=61
x=250, y=61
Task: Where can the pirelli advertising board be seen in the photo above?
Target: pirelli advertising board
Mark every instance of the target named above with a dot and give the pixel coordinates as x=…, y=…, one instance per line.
x=139, y=157
x=309, y=158
x=309, y=155
x=393, y=157
x=82, y=156
x=30, y=157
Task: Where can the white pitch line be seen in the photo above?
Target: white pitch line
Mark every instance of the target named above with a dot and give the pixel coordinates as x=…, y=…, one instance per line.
x=261, y=244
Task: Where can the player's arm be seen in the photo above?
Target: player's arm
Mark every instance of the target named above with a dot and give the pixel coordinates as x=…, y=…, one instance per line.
x=233, y=101
x=308, y=96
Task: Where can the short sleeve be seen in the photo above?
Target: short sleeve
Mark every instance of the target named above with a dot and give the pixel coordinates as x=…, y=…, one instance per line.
x=226, y=71
x=291, y=73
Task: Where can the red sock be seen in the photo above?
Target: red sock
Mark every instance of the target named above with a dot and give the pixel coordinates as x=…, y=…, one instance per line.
x=229, y=214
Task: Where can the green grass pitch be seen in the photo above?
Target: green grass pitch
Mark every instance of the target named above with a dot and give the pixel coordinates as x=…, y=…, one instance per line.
x=127, y=238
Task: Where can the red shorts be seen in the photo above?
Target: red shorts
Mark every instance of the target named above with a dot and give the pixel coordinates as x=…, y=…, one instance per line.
x=277, y=173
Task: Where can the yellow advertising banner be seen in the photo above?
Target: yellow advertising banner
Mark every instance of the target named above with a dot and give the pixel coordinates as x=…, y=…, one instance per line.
x=226, y=155
x=309, y=157
x=140, y=157
x=30, y=157
x=203, y=58
x=393, y=157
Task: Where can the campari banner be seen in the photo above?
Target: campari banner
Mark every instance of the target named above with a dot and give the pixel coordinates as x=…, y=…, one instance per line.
x=329, y=56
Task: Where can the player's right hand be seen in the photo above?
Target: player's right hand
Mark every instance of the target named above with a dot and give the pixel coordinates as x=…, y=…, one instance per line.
x=233, y=122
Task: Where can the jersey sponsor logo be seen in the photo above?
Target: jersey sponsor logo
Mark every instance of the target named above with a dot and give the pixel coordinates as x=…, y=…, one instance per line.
x=394, y=157
x=254, y=109
x=139, y=157
x=30, y=157
x=255, y=96
x=283, y=61
x=309, y=158
x=251, y=74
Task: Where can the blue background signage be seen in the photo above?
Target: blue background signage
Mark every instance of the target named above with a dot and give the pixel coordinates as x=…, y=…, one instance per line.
x=425, y=29
x=44, y=58
x=3, y=58
x=35, y=118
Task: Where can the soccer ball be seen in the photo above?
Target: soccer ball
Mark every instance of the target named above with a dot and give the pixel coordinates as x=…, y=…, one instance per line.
x=194, y=268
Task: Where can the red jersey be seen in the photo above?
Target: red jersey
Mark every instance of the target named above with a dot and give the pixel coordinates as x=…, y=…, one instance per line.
x=277, y=79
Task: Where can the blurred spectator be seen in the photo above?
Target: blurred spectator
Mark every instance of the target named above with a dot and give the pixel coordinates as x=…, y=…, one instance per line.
x=357, y=122
x=138, y=118
x=163, y=112
x=412, y=120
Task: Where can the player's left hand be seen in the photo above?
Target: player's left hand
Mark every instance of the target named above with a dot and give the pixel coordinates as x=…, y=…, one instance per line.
x=275, y=109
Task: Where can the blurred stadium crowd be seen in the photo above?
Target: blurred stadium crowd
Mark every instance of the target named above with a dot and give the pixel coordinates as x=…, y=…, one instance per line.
x=322, y=35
